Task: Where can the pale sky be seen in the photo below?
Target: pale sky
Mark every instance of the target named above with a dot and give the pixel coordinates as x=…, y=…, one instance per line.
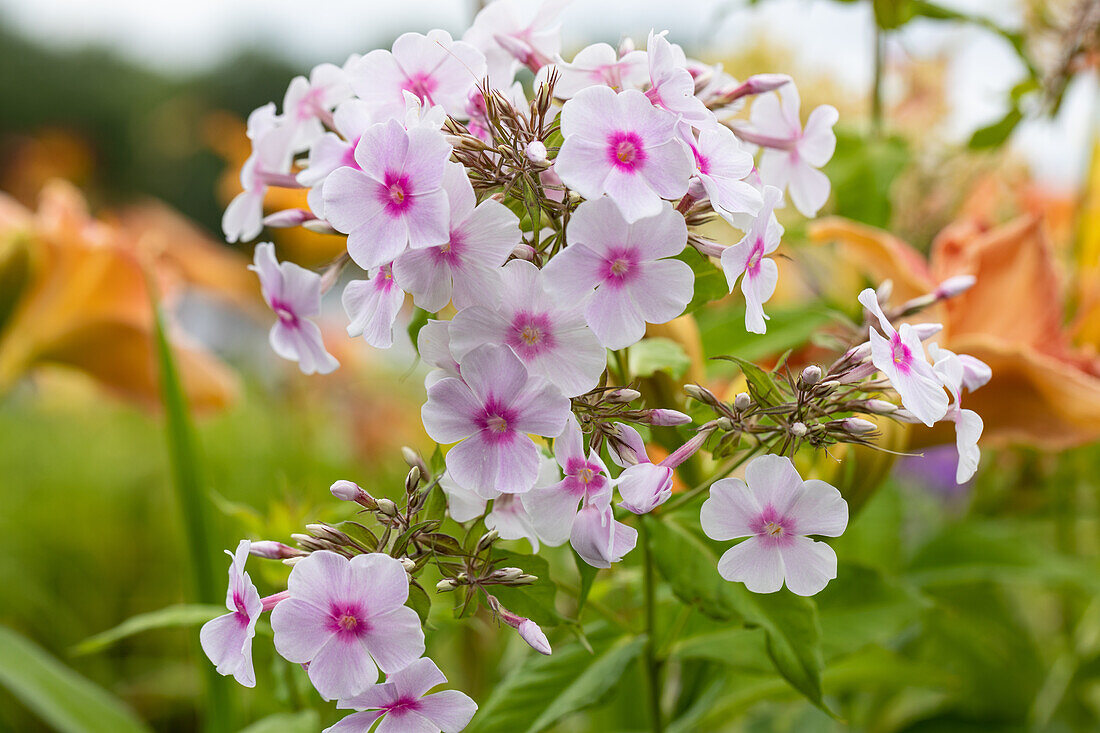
x=186, y=36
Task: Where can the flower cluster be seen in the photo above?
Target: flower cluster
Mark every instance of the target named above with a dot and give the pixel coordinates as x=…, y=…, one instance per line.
x=536, y=227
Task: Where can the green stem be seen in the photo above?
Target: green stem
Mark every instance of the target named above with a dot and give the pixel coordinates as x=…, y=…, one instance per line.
x=193, y=507
x=652, y=665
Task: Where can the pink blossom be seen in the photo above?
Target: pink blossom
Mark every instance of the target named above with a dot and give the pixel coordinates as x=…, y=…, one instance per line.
x=436, y=68
x=622, y=146
x=952, y=371
x=268, y=165
x=466, y=267
x=373, y=305
x=721, y=164
x=505, y=27
x=759, y=273
x=554, y=508
x=793, y=155
x=227, y=639
x=309, y=102
x=671, y=85
x=331, y=151
x=404, y=707
x=346, y=618
x=492, y=409
x=899, y=354
x=533, y=634
x=549, y=336
x=599, y=538
x=396, y=198
x=512, y=521
x=294, y=293
x=630, y=266
x=776, y=510
x=599, y=64
x=644, y=487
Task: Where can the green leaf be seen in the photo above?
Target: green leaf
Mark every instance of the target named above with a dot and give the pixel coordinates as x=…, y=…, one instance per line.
x=588, y=576
x=419, y=320
x=62, y=698
x=740, y=648
x=995, y=134
x=420, y=601
x=652, y=355
x=172, y=617
x=710, y=281
x=534, y=601
x=305, y=721
x=544, y=689
x=862, y=172
x=691, y=569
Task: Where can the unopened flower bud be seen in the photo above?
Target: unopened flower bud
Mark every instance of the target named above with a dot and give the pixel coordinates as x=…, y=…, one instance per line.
x=487, y=539
x=811, y=375
x=532, y=633
x=742, y=401
x=445, y=585
x=700, y=394
x=829, y=384
x=524, y=580
x=307, y=542
x=412, y=480
x=760, y=83
x=905, y=416
x=856, y=426
x=507, y=574
x=524, y=252
x=327, y=533
x=288, y=218
x=884, y=291
x=880, y=407
x=626, y=45
x=662, y=417
x=926, y=331
x=536, y=153
x=799, y=430
x=292, y=561
x=272, y=550
x=622, y=395
x=412, y=458
x=408, y=564
x=724, y=424
x=319, y=226
x=346, y=490
x=956, y=285
x=387, y=507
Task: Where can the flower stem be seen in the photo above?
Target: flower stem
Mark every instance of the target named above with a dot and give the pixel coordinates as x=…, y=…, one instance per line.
x=652, y=665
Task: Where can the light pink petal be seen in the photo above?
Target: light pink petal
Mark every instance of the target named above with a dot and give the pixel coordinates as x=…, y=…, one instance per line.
x=383, y=148
x=451, y=411
x=378, y=695
x=975, y=372
x=574, y=272
x=968, y=429
x=593, y=536
x=244, y=217
x=395, y=639
x=427, y=160
x=380, y=580
x=820, y=509
x=577, y=360
x=372, y=308
x=818, y=140
x=809, y=189
x=355, y=723
x=582, y=166
x=633, y=194
x=342, y=668
x=663, y=235
x=511, y=520
x=319, y=578
x=541, y=409
x=668, y=168
x=228, y=644
x=433, y=343
x=474, y=283
x=614, y=317
x=756, y=564
x=593, y=111
x=302, y=344
x=729, y=197
x=460, y=192
x=773, y=480
x=776, y=166
x=450, y=710
x=758, y=287
x=406, y=721
x=492, y=372
x=301, y=629
x=662, y=289
x=427, y=219
x=869, y=300
x=569, y=444
x=771, y=118
x=598, y=225
x=417, y=678
x=509, y=464
x=808, y=565
x=379, y=241
x=426, y=276
x=474, y=326
x=735, y=259
x=552, y=511
x=729, y=511
x=644, y=487
x=491, y=231
x=624, y=538
x=633, y=444
x=462, y=503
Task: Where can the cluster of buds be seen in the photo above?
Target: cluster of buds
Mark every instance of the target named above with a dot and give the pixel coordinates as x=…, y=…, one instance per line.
x=599, y=410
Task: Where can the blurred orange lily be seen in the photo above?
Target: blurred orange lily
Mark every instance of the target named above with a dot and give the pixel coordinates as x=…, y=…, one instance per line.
x=1044, y=390
x=76, y=294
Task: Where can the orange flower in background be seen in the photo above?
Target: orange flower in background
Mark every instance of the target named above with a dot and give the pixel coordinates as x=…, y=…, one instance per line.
x=76, y=294
x=1045, y=391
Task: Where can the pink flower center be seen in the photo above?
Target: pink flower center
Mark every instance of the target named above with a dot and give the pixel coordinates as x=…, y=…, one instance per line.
x=450, y=251
x=285, y=313
x=422, y=85
x=242, y=611
x=903, y=357
x=496, y=421
x=701, y=161
x=625, y=151
x=347, y=620
x=621, y=267
x=531, y=334
x=582, y=477
x=384, y=279
x=757, y=255
x=401, y=707
x=773, y=527
x=395, y=193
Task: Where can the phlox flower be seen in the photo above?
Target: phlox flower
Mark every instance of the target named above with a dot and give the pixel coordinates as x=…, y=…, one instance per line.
x=619, y=144
x=548, y=335
x=491, y=410
x=395, y=199
x=671, y=85
x=793, y=154
x=532, y=27
x=436, y=68
x=294, y=293
x=309, y=101
x=227, y=639
x=721, y=164
x=464, y=268
x=776, y=510
x=599, y=64
x=747, y=259
x=957, y=375
x=372, y=306
x=629, y=266
x=345, y=619
x=553, y=508
x=268, y=164
x=644, y=486
x=404, y=706
x=599, y=538
x=899, y=354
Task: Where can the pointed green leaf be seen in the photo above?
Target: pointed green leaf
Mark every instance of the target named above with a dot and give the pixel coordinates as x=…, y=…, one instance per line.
x=172, y=617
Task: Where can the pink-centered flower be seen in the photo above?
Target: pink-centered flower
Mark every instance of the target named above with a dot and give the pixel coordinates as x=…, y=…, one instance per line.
x=957, y=374
x=404, y=706
x=599, y=64
x=793, y=154
x=372, y=306
x=466, y=267
x=619, y=144
x=436, y=68
x=671, y=85
x=548, y=335
x=748, y=260
x=511, y=32
x=599, y=538
x=346, y=619
x=721, y=165
x=554, y=508
x=776, y=510
x=491, y=410
x=899, y=354
x=395, y=199
x=294, y=293
x=268, y=165
x=629, y=266
x=227, y=639
x=309, y=102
